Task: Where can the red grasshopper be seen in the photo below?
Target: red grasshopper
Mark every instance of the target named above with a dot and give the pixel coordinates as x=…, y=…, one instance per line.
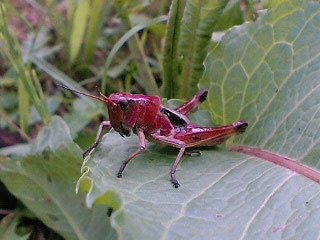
x=147, y=118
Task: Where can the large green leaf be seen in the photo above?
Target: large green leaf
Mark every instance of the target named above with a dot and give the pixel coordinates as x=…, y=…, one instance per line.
x=201, y=18
x=267, y=73
x=44, y=180
x=223, y=195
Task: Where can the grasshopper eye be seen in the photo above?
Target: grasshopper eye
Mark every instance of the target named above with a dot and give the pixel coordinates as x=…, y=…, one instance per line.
x=123, y=103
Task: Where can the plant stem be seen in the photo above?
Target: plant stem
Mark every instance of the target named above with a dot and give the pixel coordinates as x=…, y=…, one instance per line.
x=12, y=124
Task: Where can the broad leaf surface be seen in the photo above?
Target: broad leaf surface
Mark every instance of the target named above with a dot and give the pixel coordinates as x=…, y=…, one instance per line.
x=223, y=195
x=267, y=73
x=44, y=180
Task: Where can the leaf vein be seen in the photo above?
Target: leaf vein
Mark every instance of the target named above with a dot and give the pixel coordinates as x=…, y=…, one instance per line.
x=289, y=113
x=274, y=96
x=264, y=204
x=184, y=205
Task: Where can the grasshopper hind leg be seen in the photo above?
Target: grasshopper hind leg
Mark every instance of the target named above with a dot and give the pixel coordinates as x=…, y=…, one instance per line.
x=193, y=103
x=174, y=143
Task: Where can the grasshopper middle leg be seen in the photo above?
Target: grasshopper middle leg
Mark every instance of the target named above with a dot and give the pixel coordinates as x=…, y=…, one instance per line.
x=142, y=140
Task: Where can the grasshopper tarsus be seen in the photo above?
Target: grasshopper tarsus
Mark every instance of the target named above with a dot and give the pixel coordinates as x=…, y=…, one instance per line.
x=85, y=154
x=119, y=175
x=89, y=149
x=203, y=95
x=104, y=124
x=123, y=165
x=176, y=184
x=241, y=126
x=190, y=153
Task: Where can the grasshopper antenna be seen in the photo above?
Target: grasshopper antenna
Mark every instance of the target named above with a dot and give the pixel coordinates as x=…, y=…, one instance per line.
x=104, y=99
x=101, y=93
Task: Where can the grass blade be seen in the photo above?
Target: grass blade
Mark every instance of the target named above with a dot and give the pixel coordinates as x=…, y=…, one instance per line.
x=71, y=8
x=12, y=50
x=152, y=88
x=60, y=77
x=24, y=100
x=99, y=10
x=199, y=20
x=170, y=56
x=79, y=25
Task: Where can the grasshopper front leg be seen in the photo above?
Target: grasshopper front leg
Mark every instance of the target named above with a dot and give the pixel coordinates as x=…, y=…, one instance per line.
x=142, y=141
x=175, y=143
x=105, y=124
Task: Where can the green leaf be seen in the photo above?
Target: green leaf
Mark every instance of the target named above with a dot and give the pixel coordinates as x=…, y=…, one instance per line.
x=223, y=195
x=8, y=100
x=8, y=227
x=71, y=8
x=98, y=12
x=267, y=73
x=200, y=20
x=12, y=50
x=170, y=54
x=24, y=103
x=231, y=15
x=61, y=78
x=44, y=180
x=82, y=113
x=79, y=25
x=38, y=44
x=147, y=81
x=198, y=23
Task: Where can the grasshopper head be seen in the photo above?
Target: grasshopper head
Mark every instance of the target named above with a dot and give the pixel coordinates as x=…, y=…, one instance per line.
x=128, y=111
x=121, y=114
x=132, y=111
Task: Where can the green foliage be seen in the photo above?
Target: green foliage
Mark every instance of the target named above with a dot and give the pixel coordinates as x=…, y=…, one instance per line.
x=198, y=24
x=183, y=65
x=61, y=78
x=170, y=54
x=223, y=195
x=8, y=227
x=81, y=29
x=86, y=23
x=44, y=180
x=131, y=33
x=98, y=12
x=24, y=101
x=267, y=73
x=11, y=49
x=145, y=79
x=78, y=29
